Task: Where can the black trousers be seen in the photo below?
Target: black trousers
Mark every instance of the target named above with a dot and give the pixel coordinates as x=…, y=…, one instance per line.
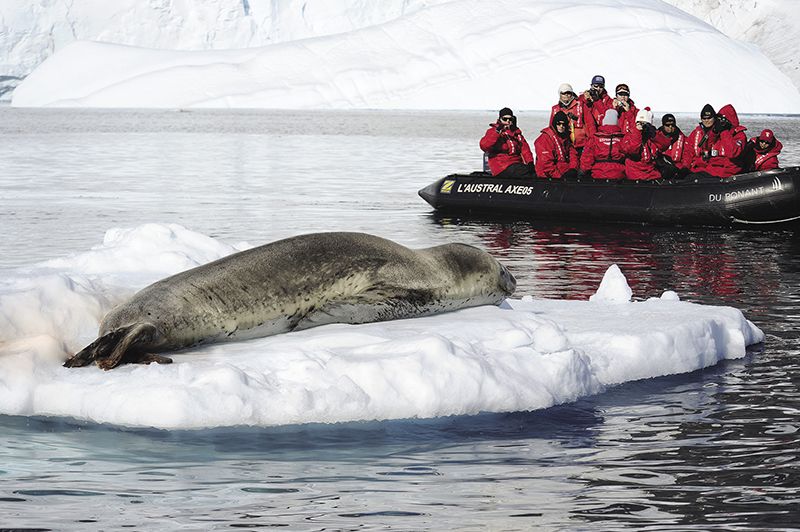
x=517, y=171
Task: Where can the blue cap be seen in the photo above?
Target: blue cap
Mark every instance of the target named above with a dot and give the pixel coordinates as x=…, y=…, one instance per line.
x=599, y=80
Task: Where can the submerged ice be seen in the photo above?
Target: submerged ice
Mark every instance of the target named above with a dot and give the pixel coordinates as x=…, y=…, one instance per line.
x=525, y=354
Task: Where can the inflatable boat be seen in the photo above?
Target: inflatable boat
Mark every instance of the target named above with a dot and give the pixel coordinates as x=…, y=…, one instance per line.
x=753, y=199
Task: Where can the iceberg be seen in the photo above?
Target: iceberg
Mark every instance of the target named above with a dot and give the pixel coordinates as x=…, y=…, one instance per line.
x=462, y=54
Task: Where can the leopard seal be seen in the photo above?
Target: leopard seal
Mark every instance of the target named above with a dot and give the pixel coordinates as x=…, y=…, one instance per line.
x=294, y=284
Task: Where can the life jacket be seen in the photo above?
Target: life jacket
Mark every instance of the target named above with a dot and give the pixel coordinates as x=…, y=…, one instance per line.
x=554, y=154
x=603, y=155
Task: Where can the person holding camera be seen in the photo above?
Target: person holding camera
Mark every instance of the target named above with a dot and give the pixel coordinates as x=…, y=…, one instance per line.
x=510, y=156
x=642, y=146
x=725, y=157
x=596, y=102
x=573, y=107
x=625, y=107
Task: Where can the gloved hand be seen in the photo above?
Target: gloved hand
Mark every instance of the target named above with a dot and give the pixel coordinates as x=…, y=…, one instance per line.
x=721, y=124
x=648, y=131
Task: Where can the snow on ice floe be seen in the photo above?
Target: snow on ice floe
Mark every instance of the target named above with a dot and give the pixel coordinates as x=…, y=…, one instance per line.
x=462, y=54
x=525, y=354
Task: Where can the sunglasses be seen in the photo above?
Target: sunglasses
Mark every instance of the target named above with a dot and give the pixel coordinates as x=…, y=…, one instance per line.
x=566, y=92
x=506, y=118
x=597, y=86
x=564, y=124
x=707, y=118
x=623, y=94
x=669, y=124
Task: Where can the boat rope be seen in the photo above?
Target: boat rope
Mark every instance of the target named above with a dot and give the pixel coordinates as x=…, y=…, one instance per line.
x=793, y=218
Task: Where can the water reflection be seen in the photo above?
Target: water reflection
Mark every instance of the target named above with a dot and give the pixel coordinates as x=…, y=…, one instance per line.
x=709, y=265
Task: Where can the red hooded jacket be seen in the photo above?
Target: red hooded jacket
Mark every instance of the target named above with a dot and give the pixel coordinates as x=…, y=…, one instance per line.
x=577, y=122
x=554, y=154
x=766, y=159
x=602, y=154
x=640, y=162
x=505, y=148
x=627, y=119
x=679, y=151
x=593, y=112
x=699, y=146
x=727, y=149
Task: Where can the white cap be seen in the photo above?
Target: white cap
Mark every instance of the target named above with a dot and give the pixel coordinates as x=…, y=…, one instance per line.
x=645, y=115
x=565, y=87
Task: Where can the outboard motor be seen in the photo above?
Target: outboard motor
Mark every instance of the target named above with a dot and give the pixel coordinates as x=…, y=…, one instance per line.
x=486, y=162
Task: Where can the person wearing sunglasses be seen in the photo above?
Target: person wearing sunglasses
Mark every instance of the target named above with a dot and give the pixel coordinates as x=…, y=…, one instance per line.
x=642, y=146
x=763, y=151
x=625, y=107
x=701, y=139
x=596, y=102
x=509, y=154
x=573, y=107
x=677, y=158
x=556, y=156
x=724, y=158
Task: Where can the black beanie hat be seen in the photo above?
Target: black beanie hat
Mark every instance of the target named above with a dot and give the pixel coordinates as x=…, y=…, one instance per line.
x=668, y=118
x=505, y=111
x=708, y=111
x=560, y=116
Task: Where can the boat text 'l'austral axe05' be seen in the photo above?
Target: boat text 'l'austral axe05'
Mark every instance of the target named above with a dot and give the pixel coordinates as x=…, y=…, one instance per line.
x=770, y=197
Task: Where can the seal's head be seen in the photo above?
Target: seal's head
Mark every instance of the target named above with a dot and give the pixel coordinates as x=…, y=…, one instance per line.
x=507, y=282
x=475, y=273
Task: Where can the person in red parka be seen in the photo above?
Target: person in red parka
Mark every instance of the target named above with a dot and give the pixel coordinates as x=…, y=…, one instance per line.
x=701, y=139
x=763, y=152
x=725, y=158
x=570, y=104
x=510, y=156
x=677, y=158
x=596, y=102
x=642, y=145
x=602, y=155
x=625, y=107
x=555, y=154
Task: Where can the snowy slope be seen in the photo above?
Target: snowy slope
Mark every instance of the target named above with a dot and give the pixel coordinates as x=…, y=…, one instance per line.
x=772, y=25
x=463, y=54
x=32, y=30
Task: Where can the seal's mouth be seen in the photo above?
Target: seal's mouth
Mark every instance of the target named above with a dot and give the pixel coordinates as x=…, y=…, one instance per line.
x=507, y=282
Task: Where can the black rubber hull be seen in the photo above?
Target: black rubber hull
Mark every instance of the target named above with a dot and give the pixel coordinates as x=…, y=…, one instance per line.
x=755, y=199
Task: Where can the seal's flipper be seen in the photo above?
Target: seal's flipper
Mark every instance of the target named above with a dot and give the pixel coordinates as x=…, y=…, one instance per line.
x=126, y=349
x=114, y=348
x=100, y=348
x=353, y=310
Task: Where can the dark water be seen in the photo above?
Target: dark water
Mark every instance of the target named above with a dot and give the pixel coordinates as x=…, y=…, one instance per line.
x=717, y=449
